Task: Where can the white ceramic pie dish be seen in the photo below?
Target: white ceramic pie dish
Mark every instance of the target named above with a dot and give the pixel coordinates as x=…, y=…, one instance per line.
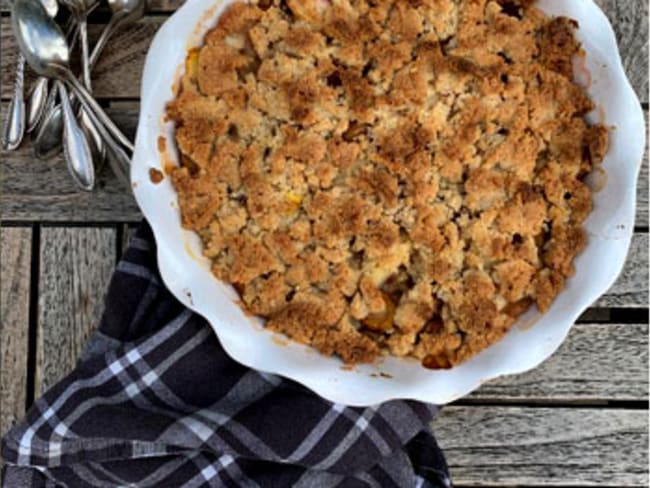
x=533, y=339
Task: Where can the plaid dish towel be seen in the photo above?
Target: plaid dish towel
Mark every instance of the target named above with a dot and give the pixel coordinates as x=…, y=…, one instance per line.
x=156, y=402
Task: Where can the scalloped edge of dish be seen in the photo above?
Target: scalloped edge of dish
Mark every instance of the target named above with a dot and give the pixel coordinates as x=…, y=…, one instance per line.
x=532, y=340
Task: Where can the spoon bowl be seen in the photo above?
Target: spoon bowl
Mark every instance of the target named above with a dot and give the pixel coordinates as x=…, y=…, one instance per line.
x=51, y=7
x=40, y=39
x=21, y=117
x=49, y=135
x=46, y=50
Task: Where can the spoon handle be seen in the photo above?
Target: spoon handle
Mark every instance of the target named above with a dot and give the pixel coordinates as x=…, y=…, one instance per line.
x=36, y=103
x=93, y=108
x=95, y=139
x=108, y=31
x=75, y=145
x=48, y=136
x=38, y=106
x=85, y=61
x=118, y=159
x=14, y=128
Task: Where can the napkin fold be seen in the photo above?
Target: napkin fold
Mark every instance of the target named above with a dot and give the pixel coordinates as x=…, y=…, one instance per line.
x=156, y=402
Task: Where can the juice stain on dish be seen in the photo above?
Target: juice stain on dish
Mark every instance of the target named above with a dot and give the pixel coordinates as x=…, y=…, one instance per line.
x=280, y=341
x=190, y=252
x=581, y=74
x=528, y=324
x=597, y=179
x=168, y=164
x=156, y=176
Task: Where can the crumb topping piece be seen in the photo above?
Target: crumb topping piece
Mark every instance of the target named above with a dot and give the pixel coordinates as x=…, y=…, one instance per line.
x=387, y=176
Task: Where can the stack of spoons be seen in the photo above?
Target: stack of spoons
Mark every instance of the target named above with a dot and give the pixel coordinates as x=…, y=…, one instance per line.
x=60, y=111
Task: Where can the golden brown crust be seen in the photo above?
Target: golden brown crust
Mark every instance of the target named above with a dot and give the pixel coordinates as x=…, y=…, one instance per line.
x=387, y=176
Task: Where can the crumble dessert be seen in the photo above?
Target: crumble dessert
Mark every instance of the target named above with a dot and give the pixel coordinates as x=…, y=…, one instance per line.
x=387, y=176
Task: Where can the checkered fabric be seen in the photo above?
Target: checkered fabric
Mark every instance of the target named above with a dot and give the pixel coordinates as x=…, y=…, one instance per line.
x=156, y=402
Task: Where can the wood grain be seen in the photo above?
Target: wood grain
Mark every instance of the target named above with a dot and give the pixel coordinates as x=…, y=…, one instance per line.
x=631, y=288
x=75, y=267
x=35, y=190
x=516, y=446
x=596, y=363
x=123, y=59
x=642, y=190
x=15, y=259
x=630, y=22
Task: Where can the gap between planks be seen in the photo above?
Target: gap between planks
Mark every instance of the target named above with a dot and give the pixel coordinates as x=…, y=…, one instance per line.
x=75, y=268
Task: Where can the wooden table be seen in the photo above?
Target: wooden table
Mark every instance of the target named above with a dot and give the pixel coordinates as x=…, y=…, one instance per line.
x=580, y=419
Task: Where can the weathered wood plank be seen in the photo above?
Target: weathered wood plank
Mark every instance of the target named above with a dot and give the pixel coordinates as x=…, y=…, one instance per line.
x=512, y=446
x=15, y=259
x=32, y=189
x=119, y=71
x=629, y=18
x=75, y=267
x=631, y=288
x=642, y=191
x=596, y=363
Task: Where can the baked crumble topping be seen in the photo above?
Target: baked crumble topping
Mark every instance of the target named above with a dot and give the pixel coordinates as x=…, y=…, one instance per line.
x=387, y=176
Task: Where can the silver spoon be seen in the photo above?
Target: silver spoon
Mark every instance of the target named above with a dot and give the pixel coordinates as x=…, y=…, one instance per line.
x=123, y=13
x=47, y=52
x=75, y=145
x=14, y=128
x=91, y=133
x=40, y=95
x=36, y=104
x=80, y=10
x=48, y=135
x=77, y=152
